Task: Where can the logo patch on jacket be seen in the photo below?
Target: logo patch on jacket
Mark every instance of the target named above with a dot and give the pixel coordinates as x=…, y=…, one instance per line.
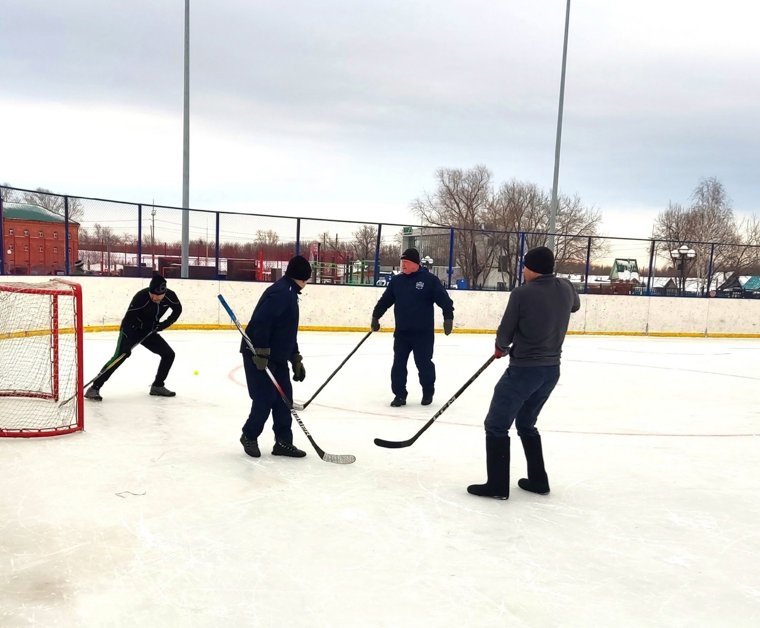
x=419, y=285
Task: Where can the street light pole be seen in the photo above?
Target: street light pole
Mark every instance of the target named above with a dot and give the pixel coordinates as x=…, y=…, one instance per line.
x=185, y=267
x=555, y=194
x=680, y=256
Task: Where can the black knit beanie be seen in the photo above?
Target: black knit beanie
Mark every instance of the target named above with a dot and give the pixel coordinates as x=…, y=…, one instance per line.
x=413, y=255
x=298, y=268
x=540, y=260
x=157, y=284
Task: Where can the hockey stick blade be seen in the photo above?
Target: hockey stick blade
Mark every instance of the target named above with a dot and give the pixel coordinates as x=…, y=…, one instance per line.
x=298, y=406
x=394, y=444
x=399, y=444
x=339, y=458
x=108, y=367
x=334, y=458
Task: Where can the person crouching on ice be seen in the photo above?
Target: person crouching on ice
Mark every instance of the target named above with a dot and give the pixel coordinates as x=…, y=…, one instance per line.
x=273, y=330
x=532, y=331
x=142, y=324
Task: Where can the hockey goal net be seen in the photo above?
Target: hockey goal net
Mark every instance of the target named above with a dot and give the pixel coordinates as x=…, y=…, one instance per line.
x=40, y=358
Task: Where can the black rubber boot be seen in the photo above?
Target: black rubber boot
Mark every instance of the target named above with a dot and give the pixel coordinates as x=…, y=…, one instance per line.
x=537, y=481
x=497, y=466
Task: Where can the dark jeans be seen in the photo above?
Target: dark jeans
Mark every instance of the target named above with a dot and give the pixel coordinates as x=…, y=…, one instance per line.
x=421, y=344
x=518, y=398
x=266, y=399
x=153, y=343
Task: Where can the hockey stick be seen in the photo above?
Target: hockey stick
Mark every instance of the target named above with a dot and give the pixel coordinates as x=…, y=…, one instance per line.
x=336, y=458
x=105, y=369
x=302, y=406
x=398, y=444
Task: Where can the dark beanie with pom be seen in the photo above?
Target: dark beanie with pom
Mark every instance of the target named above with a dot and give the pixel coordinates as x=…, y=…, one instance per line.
x=157, y=284
x=540, y=260
x=298, y=268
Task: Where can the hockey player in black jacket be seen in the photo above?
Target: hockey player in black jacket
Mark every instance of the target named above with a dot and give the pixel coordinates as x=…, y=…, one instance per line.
x=413, y=293
x=273, y=330
x=141, y=325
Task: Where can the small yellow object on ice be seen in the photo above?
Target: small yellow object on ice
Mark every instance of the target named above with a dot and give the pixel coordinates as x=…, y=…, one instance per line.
x=195, y=372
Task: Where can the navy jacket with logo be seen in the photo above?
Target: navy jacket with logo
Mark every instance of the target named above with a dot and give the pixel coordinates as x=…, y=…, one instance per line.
x=274, y=323
x=412, y=297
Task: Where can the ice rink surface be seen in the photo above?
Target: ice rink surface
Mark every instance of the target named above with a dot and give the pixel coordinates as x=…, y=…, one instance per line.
x=154, y=516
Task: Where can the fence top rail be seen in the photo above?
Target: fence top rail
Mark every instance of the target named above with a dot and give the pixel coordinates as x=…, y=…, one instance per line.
x=217, y=211
x=365, y=222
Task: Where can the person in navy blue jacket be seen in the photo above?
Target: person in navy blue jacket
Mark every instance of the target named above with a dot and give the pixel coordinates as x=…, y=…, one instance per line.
x=141, y=325
x=273, y=330
x=412, y=294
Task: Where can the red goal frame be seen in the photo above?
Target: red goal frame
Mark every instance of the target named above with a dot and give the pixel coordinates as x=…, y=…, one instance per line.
x=56, y=289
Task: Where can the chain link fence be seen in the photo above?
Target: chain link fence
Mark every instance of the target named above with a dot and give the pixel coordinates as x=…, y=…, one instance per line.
x=42, y=233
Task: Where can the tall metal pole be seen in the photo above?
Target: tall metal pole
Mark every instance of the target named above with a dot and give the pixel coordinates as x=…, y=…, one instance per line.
x=555, y=201
x=186, y=153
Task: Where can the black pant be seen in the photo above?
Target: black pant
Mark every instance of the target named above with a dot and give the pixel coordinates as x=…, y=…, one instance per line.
x=265, y=399
x=421, y=344
x=154, y=343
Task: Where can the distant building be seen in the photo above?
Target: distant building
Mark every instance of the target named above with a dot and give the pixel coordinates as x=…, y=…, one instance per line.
x=34, y=240
x=740, y=287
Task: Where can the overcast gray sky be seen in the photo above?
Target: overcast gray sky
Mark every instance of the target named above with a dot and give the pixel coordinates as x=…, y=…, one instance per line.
x=345, y=108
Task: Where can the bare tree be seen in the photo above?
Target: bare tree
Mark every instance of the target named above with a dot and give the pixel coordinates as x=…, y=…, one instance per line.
x=7, y=194
x=54, y=203
x=517, y=208
x=523, y=208
x=461, y=200
x=267, y=237
x=577, y=223
x=709, y=227
x=364, y=242
x=106, y=241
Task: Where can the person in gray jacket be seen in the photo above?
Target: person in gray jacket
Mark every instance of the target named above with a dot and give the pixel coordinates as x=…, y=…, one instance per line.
x=532, y=331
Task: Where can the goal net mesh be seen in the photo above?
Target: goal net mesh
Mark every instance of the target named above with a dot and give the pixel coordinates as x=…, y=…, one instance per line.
x=40, y=341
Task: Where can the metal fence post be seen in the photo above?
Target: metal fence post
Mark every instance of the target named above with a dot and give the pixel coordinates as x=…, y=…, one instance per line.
x=139, y=240
x=377, y=254
x=66, y=239
x=588, y=264
x=450, y=270
x=522, y=255
x=710, y=269
x=298, y=236
x=651, y=266
x=217, y=246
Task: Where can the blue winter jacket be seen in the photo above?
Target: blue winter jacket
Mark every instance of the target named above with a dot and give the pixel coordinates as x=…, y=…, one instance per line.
x=412, y=297
x=274, y=323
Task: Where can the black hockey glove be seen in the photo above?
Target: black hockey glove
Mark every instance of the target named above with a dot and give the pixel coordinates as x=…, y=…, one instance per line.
x=448, y=324
x=261, y=359
x=158, y=326
x=375, y=326
x=299, y=372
